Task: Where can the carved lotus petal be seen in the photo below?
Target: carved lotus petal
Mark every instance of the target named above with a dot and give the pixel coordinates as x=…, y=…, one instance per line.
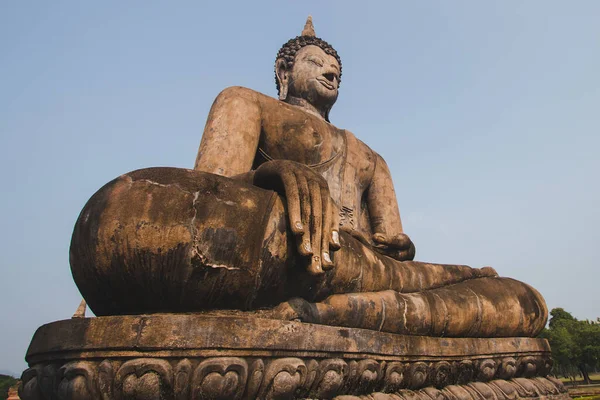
x=74, y=389
x=433, y=393
x=442, y=374
x=508, y=368
x=394, y=377
x=557, y=383
x=255, y=378
x=106, y=374
x=144, y=378
x=526, y=388
x=182, y=376
x=484, y=389
x=77, y=381
x=527, y=366
x=284, y=384
x=369, y=372
x=217, y=386
x=332, y=373
x=417, y=375
x=465, y=372
x=504, y=389
x=30, y=389
x=487, y=369
x=546, y=366
x=456, y=392
x=547, y=385
x=283, y=378
x=47, y=379
x=145, y=387
x=220, y=378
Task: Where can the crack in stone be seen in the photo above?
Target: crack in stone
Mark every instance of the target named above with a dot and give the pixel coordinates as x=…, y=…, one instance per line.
x=404, y=315
x=478, y=320
x=200, y=259
x=196, y=254
x=445, y=313
x=165, y=185
x=382, y=314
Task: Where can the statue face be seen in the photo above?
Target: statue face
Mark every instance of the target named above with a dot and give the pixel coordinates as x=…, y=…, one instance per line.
x=315, y=77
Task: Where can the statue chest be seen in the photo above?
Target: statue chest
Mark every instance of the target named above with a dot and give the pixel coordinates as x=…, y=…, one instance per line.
x=314, y=143
x=302, y=139
x=333, y=153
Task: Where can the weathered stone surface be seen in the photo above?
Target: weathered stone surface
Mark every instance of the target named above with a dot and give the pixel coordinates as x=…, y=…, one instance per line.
x=283, y=210
x=189, y=241
x=188, y=356
x=187, y=332
x=284, y=240
x=150, y=240
x=538, y=388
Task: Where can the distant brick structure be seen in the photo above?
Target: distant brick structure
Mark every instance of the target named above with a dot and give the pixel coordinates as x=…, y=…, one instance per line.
x=13, y=393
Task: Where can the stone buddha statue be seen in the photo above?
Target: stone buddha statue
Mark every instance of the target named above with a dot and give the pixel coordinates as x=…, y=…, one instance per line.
x=285, y=216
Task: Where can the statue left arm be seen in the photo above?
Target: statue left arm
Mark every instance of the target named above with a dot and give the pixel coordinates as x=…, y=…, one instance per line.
x=231, y=134
x=384, y=215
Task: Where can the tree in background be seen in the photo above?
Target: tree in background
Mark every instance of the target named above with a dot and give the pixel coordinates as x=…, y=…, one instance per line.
x=575, y=344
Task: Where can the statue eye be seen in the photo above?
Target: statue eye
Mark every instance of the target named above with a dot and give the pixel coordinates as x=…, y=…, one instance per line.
x=316, y=61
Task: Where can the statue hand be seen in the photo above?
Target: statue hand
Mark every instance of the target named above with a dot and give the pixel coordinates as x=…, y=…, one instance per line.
x=309, y=209
x=399, y=247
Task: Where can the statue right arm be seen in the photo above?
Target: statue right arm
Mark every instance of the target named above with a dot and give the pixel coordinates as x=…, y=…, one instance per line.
x=231, y=134
x=228, y=148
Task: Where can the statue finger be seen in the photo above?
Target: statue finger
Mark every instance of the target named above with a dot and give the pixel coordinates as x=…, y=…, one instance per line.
x=412, y=251
x=406, y=255
x=380, y=238
x=304, y=244
x=316, y=225
x=380, y=241
x=326, y=231
x=383, y=241
x=290, y=186
x=400, y=241
x=335, y=244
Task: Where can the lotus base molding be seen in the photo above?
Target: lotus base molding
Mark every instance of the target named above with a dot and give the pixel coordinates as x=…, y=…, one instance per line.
x=195, y=356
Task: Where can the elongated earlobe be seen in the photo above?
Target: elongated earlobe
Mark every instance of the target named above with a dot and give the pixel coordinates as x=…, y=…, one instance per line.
x=283, y=93
x=282, y=78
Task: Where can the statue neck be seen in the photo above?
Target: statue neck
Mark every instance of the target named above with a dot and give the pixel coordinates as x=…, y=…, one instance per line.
x=308, y=107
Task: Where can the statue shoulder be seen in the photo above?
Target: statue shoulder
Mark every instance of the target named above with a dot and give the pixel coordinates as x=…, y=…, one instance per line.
x=361, y=150
x=240, y=92
x=362, y=157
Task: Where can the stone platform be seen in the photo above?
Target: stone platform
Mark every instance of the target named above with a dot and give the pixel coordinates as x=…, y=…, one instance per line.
x=194, y=356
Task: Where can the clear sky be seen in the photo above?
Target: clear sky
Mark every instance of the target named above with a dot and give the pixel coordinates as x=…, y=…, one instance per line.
x=488, y=114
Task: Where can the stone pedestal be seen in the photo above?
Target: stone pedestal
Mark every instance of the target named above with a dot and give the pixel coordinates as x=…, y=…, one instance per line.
x=193, y=356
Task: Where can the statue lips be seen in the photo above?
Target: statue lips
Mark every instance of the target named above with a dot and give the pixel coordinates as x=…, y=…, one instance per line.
x=326, y=82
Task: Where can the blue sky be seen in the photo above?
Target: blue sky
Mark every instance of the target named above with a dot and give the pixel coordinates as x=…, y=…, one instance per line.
x=486, y=112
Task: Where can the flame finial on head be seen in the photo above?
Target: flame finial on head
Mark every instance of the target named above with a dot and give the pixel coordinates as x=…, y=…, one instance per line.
x=309, y=29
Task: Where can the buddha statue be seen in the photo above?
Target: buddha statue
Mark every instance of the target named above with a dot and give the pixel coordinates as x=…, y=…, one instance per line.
x=284, y=216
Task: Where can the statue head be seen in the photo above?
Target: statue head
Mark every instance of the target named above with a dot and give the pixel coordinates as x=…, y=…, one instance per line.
x=307, y=67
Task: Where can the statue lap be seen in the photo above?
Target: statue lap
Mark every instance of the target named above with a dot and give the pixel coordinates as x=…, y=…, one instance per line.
x=192, y=241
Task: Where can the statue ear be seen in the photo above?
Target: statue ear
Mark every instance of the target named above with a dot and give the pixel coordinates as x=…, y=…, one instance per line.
x=282, y=73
